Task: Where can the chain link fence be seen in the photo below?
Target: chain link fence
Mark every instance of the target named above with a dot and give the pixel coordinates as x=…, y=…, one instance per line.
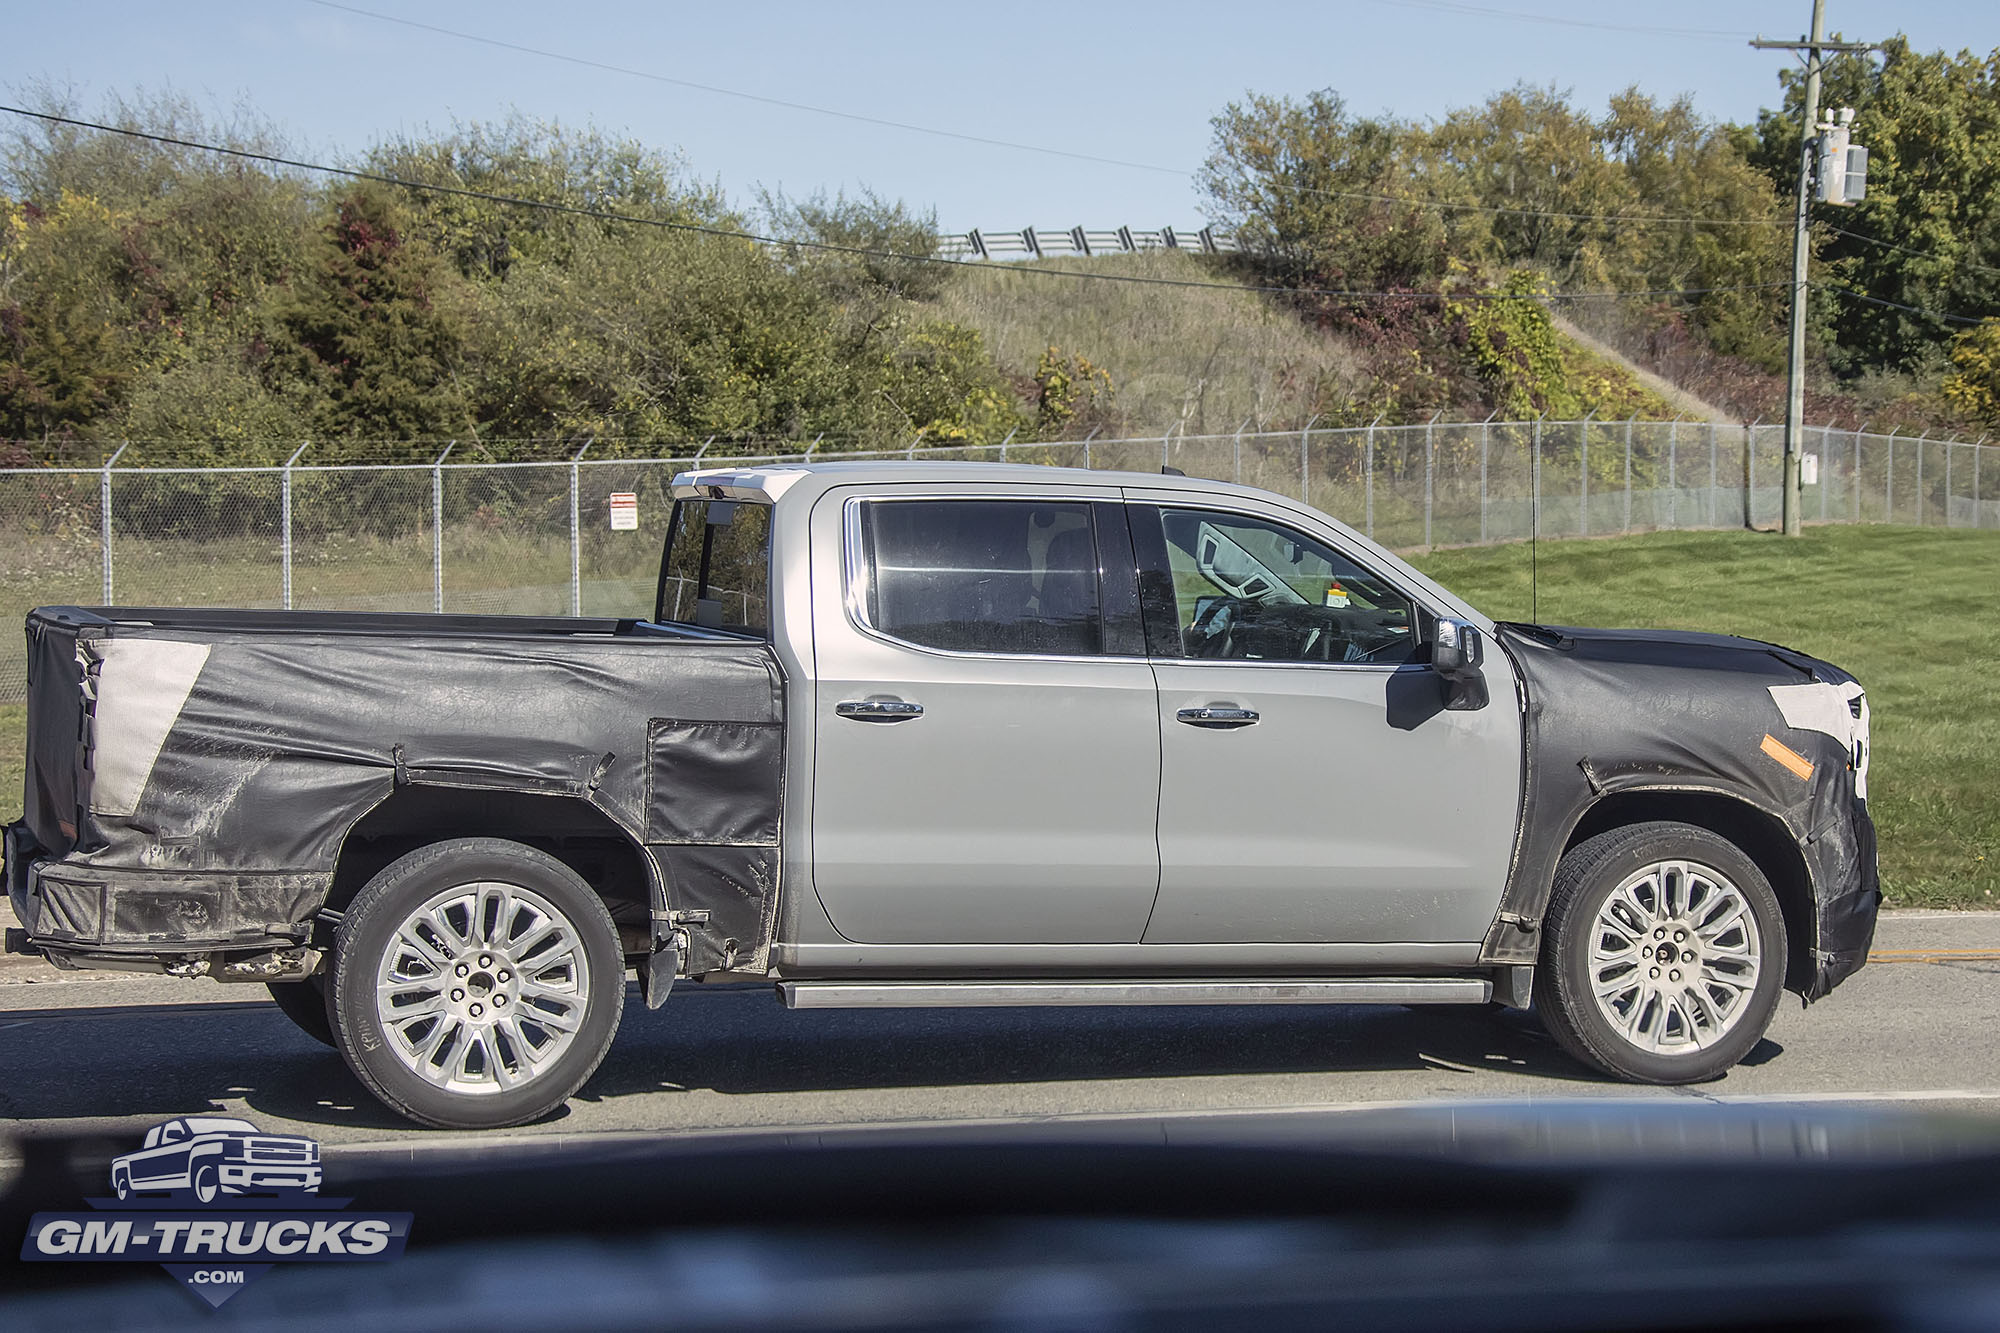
x=536, y=538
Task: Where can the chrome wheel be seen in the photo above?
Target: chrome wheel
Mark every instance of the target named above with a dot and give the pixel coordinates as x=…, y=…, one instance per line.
x=483, y=987
x=1675, y=957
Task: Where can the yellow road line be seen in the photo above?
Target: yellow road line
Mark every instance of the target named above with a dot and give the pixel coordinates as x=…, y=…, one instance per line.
x=1934, y=955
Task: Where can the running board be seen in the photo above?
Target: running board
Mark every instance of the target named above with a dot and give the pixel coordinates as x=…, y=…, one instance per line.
x=972, y=994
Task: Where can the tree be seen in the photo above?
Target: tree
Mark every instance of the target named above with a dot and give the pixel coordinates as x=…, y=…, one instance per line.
x=62, y=356
x=1329, y=198
x=544, y=162
x=373, y=330
x=1973, y=387
x=1925, y=244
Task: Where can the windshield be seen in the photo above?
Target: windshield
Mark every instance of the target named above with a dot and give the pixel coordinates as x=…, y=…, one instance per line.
x=717, y=568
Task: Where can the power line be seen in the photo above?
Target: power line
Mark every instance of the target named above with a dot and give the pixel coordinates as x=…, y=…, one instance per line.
x=1489, y=11
x=1364, y=196
x=606, y=215
x=720, y=91
x=1938, y=315
x=1910, y=250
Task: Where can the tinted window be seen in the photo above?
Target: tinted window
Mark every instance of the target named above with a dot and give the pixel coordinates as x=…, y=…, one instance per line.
x=983, y=576
x=1251, y=590
x=717, y=570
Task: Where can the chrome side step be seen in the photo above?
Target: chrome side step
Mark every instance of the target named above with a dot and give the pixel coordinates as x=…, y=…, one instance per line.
x=970, y=994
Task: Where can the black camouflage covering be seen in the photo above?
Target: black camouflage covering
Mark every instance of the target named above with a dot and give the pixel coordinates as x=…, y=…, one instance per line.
x=299, y=724
x=1612, y=711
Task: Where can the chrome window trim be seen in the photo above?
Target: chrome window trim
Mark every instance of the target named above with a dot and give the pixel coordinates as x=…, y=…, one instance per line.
x=855, y=575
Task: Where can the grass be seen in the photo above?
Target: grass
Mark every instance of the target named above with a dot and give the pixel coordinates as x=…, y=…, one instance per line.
x=1206, y=356
x=1907, y=610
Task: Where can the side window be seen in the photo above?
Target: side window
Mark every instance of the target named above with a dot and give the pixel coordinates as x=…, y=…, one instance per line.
x=983, y=576
x=716, y=572
x=1250, y=590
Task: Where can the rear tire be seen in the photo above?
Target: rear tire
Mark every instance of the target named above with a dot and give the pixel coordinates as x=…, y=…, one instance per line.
x=1663, y=954
x=304, y=1002
x=475, y=983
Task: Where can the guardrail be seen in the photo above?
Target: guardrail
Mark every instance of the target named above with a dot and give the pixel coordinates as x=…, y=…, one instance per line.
x=1039, y=242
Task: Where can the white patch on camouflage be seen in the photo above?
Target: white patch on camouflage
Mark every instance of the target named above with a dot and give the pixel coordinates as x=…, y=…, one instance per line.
x=142, y=684
x=1830, y=709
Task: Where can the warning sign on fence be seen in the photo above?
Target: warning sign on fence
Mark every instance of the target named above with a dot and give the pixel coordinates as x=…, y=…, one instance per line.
x=624, y=511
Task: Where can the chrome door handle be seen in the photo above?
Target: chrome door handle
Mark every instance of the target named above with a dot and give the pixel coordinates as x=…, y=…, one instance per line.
x=878, y=710
x=1219, y=719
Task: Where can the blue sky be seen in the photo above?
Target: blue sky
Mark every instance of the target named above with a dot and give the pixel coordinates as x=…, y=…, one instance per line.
x=1136, y=83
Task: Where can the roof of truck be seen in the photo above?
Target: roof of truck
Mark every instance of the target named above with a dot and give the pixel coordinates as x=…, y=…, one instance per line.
x=767, y=482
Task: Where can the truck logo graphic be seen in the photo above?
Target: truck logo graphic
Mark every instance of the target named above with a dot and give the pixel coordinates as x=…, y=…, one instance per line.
x=211, y=1156
x=218, y=1203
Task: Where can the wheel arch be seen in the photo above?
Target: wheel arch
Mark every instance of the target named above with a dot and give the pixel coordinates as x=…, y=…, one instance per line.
x=575, y=832
x=1757, y=833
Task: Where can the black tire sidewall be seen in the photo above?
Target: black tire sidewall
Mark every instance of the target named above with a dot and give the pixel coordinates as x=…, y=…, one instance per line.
x=1606, y=862
x=368, y=927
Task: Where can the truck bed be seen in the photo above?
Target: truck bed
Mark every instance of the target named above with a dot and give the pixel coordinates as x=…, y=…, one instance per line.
x=197, y=772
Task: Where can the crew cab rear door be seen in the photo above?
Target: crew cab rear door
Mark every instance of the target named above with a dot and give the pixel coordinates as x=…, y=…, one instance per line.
x=1313, y=786
x=987, y=754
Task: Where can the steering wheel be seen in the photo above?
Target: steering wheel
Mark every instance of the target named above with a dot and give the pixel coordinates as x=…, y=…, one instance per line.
x=1209, y=631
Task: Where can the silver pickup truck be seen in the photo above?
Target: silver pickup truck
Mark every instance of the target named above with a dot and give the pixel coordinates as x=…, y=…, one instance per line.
x=946, y=734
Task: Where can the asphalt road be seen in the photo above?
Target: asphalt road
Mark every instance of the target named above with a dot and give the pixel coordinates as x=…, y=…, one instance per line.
x=118, y=1054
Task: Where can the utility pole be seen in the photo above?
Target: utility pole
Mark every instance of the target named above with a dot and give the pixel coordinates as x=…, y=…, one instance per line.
x=1815, y=47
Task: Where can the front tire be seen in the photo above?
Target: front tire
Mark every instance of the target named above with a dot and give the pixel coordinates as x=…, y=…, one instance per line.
x=475, y=983
x=207, y=1183
x=1663, y=954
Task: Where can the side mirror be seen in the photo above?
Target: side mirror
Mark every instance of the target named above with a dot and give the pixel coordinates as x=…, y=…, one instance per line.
x=1458, y=652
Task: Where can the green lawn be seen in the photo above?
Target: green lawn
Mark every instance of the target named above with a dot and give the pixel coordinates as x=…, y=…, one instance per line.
x=1910, y=611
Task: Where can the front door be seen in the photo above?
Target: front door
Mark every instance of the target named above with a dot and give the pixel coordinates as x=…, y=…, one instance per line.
x=1313, y=788
x=987, y=756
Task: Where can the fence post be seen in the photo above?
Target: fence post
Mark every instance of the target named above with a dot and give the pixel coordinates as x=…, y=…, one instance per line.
x=1673, y=482
x=1823, y=433
x=1305, y=475
x=1889, y=480
x=1238, y=477
x=104, y=515
x=1854, y=482
x=437, y=528
x=285, y=521
x=1714, y=473
x=1485, y=437
x=1430, y=484
x=576, y=528
x=1920, y=477
x=1977, y=449
x=1628, y=474
x=1948, y=446
x=1535, y=484
x=1583, y=480
x=1750, y=473
x=1368, y=477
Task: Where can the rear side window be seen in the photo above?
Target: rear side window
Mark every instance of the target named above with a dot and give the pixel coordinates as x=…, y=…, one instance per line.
x=982, y=576
x=717, y=569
